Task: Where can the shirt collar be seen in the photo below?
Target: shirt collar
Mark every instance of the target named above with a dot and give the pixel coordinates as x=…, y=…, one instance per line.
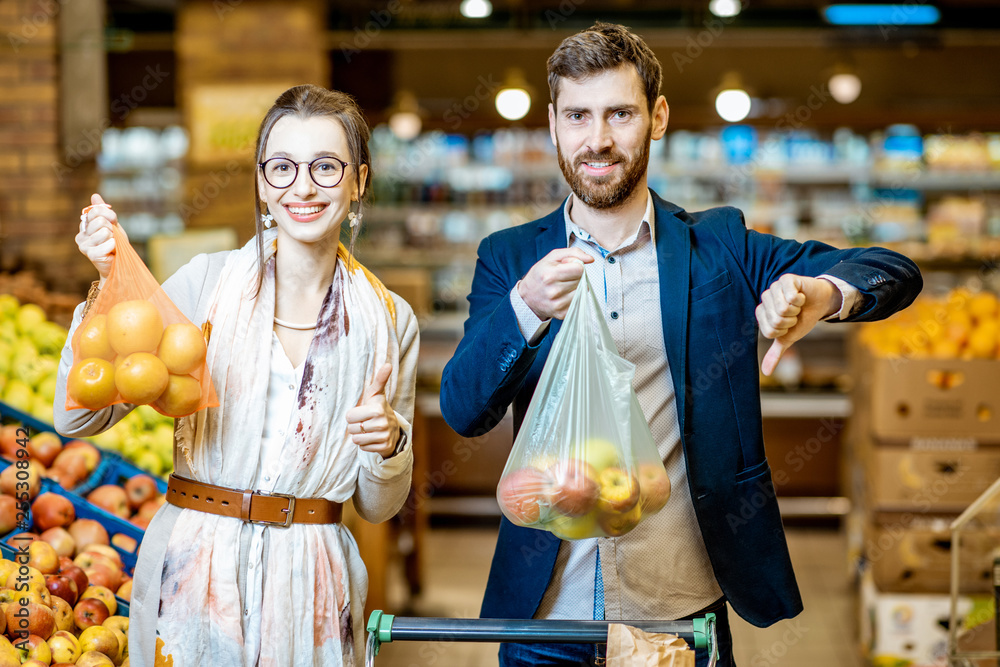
x=647, y=222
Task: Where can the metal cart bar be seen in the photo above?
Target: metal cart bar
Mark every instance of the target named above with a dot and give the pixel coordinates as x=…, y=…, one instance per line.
x=384, y=628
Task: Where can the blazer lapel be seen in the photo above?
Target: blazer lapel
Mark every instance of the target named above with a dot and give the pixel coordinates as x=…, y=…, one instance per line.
x=551, y=235
x=673, y=257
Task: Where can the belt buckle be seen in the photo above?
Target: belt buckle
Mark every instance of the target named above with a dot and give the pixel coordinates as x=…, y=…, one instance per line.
x=289, y=512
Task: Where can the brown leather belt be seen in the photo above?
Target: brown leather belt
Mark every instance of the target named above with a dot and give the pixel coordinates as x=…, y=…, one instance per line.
x=272, y=509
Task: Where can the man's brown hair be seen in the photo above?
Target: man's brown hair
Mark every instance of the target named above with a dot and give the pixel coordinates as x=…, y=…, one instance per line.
x=602, y=47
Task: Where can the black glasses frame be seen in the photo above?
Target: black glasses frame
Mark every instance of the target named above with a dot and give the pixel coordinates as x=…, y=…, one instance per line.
x=343, y=170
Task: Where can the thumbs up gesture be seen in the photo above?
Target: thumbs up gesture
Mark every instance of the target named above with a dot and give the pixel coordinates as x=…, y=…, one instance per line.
x=372, y=423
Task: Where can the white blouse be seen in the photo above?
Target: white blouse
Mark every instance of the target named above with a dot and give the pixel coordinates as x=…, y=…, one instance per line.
x=282, y=390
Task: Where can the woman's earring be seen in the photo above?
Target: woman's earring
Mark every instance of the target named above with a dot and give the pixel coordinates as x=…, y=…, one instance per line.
x=355, y=218
x=268, y=219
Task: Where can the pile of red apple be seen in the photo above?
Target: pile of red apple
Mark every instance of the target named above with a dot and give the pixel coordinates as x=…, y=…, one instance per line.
x=67, y=465
x=596, y=493
x=86, y=541
x=136, y=501
x=53, y=613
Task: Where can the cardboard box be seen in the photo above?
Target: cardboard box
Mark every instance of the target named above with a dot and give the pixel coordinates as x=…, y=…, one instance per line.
x=911, y=553
x=938, y=480
x=912, y=629
x=913, y=398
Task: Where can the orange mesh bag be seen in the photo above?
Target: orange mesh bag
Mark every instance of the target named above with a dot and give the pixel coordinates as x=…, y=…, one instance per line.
x=136, y=346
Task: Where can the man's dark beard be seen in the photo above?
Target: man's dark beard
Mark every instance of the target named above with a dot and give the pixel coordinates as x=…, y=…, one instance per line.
x=602, y=192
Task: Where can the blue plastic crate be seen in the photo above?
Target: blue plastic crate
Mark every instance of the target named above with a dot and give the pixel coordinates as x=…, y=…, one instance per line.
x=119, y=470
x=36, y=426
x=10, y=553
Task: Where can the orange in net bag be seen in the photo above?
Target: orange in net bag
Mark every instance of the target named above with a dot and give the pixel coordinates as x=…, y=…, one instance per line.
x=136, y=346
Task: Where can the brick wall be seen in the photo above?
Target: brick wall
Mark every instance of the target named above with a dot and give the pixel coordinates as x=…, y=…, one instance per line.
x=38, y=200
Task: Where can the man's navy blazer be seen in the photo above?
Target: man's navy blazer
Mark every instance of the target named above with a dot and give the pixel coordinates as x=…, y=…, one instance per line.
x=712, y=272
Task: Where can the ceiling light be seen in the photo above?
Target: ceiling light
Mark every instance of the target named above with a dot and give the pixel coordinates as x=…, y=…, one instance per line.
x=404, y=116
x=513, y=103
x=732, y=102
x=845, y=87
x=476, y=9
x=725, y=8
x=733, y=105
x=882, y=15
x=514, y=100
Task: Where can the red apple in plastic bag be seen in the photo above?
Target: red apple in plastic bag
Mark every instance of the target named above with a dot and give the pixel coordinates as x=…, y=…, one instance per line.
x=576, y=487
x=524, y=494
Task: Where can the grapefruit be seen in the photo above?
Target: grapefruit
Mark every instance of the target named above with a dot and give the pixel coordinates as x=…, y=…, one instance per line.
x=181, y=397
x=141, y=378
x=134, y=326
x=182, y=348
x=94, y=339
x=91, y=383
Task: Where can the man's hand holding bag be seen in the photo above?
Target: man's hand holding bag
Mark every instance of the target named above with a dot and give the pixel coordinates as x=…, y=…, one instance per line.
x=584, y=463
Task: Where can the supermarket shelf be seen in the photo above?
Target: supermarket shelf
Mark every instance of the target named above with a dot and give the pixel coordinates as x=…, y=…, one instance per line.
x=939, y=180
x=801, y=174
x=473, y=506
x=819, y=506
x=804, y=406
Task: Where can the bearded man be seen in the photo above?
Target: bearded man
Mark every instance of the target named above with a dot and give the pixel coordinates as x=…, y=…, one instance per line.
x=685, y=295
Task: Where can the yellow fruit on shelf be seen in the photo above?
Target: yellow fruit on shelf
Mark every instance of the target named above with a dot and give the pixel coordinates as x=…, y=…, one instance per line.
x=945, y=348
x=982, y=343
x=983, y=306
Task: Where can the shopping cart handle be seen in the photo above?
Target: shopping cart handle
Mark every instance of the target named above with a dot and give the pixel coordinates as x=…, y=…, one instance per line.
x=382, y=627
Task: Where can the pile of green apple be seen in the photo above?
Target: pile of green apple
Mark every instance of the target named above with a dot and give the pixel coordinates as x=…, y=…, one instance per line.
x=144, y=437
x=596, y=492
x=29, y=356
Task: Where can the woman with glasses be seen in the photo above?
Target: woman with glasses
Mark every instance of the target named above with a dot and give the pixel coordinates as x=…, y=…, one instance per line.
x=314, y=363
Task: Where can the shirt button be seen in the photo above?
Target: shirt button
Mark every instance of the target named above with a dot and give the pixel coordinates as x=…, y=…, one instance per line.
x=267, y=478
x=611, y=260
x=614, y=315
x=246, y=612
x=292, y=387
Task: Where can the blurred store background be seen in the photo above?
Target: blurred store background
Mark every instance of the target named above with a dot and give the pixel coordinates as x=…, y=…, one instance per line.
x=872, y=125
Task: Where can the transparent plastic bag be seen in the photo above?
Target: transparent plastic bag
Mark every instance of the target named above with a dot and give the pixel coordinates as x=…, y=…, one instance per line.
x=584, y=463
x=136, y=346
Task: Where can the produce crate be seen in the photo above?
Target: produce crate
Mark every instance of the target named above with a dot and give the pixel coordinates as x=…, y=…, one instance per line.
x=119, y=470
x=36, y=426
x=14, y=414
x=942, y=478
x=911, y=629
x=909, y=552
x=85, y=510
x=931, y=398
